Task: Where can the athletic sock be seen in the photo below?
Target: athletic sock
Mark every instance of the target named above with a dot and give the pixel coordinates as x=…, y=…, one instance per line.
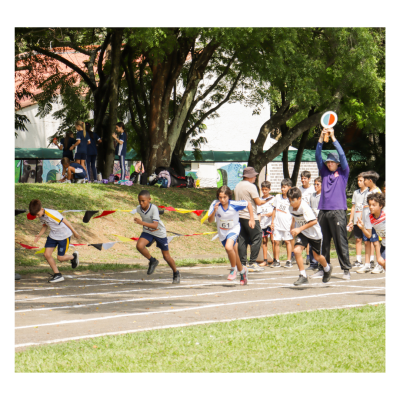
x=372, y=258
x=234, y=268
x=243, y=271
x=327, y=268
x=359, y=258
x=265, y=260
x=303, y=273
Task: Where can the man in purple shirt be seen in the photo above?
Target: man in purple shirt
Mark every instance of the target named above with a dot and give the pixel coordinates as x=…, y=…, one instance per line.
x=333, y=205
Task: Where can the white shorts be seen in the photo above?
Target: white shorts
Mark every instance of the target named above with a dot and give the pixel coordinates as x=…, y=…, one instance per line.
x=282, y=235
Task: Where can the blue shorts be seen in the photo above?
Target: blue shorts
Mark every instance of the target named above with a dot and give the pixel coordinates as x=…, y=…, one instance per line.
x=374, y=237
x=80, y=156
x=232, y=236
x=383, y=252
x=62, y=245
x=267, y=231
x=162, y=243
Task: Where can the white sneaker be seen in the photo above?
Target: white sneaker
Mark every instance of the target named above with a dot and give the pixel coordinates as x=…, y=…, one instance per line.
x=346, y=275
x=318, y=274
x=378, y=269
x=66, y=181
x=364, y=270
x=255, y=268
x=80, y=181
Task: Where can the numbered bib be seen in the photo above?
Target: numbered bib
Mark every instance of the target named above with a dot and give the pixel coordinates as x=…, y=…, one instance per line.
x=381, y=233
x=226, y=223
x=359, y=207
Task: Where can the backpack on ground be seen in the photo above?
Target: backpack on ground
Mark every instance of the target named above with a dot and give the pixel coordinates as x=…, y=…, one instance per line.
x=143, y=178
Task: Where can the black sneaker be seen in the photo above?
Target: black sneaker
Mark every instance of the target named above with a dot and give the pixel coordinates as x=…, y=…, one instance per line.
x=177, y=277
x=308, y=260
x=152, y=266
x=17, y=276
x=327, y=275
x=293, y=260
x=357, y=264
x=301, y=281
x=75, y=260
x=56, y=278
x=276, y=264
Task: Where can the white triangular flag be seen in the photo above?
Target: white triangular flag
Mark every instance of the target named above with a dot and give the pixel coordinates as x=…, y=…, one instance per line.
x=107, y=246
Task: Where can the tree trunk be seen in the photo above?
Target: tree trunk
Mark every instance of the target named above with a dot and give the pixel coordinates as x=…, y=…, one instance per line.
x=285, y=163
x=299, y=155
x=116, y=42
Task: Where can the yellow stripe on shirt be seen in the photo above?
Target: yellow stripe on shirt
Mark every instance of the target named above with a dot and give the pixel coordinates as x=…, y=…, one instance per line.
x=52, y=216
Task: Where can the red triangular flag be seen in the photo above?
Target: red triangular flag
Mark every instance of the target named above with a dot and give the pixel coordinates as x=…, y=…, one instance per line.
x=104, y=213
x=28, y=247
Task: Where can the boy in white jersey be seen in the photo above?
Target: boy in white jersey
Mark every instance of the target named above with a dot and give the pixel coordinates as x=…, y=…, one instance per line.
x=60, y=233
x=314, y=204
x=153, y=232
x=226, y=213
x=306, y=227
x=264, y=213
x=370, y=179
x=356, y=212
x=377, y=221
x=306, y=190
x=281, y=222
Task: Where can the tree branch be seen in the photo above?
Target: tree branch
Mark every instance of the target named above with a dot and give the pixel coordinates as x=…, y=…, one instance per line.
x=101, y=56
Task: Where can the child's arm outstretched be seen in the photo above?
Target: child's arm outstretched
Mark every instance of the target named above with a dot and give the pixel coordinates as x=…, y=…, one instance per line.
x=76, y=234
x=43, y=230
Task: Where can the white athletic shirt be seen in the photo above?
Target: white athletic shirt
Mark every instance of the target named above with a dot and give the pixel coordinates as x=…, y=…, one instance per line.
x=306, y=193
x=303, y=215
x=53, y=219
x=283, y=218
x=365, y=204
x=358, y=199
x=379, y=224
x=228, y=220
x=314, y=202
x=266, y=208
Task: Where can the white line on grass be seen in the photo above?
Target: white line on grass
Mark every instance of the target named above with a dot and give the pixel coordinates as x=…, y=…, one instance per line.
x=189, y=324
x=230, y=283
x=193, y=308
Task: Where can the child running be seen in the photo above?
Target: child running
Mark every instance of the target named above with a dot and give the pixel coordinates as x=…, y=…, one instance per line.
x=308, y=231
x=153, y=231
x=73, y=171
x=60, y=233
x=357, y=212
x=280, y=224
x=376, y=221
x=370, y=179
x=226, y=213
x=265, y=214
x=306, y=191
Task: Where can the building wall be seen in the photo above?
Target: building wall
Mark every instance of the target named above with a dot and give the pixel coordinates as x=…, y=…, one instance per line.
x=275, y=173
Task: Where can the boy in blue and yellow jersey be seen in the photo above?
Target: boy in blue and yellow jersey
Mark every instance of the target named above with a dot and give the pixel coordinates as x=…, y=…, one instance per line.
x=60, y=233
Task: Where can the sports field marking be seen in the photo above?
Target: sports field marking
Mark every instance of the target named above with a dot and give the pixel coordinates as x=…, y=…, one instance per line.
x=230, y=283
x=194, y=308
x=67, y=287
x=188, y=324
x=187, y=295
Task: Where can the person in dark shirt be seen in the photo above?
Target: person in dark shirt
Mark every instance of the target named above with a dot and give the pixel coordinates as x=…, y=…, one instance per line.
x=92, y=151
x=120, y=148
x=82, y=140
x=65, y=145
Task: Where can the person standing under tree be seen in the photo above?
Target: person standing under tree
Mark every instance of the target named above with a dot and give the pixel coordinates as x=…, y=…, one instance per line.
x=92, y=152
x=250, y=229
x=82, y=141
x=120, y=148
x=333, y=205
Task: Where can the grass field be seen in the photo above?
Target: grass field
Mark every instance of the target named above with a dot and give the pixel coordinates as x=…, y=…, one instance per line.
x=185, y=250
x=342, y=340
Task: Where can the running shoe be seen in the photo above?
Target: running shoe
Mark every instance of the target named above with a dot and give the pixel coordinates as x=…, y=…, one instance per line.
x=152, y=266
x=327, y=275
x=293, y=260
x=176, y=277
x=276, y=264
x=357, y=264
x=318, y=274
x=75, y=260
x=364, y=270
x=243, y=277
x=254, y=267
x=288, y=264
x=301, y=281
x=308, y=260
x=66, y=181
x=56, y=278
x=312, y=268
x=80, y=181
x=232, y=274
x=378, y=269
x=346, y=274
x=372, y=264
x=17, y=276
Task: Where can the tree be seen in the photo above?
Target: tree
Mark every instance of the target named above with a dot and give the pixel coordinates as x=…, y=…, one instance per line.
x=321, y=69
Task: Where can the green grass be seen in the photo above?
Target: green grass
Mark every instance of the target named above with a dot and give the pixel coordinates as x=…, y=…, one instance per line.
x=346, y=340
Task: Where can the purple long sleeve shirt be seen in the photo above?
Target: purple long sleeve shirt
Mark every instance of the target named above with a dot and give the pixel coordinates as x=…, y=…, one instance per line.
x=333, y=193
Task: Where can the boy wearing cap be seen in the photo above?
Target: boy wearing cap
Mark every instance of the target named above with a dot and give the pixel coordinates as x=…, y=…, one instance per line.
x=250, y=231
x=333, y=204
